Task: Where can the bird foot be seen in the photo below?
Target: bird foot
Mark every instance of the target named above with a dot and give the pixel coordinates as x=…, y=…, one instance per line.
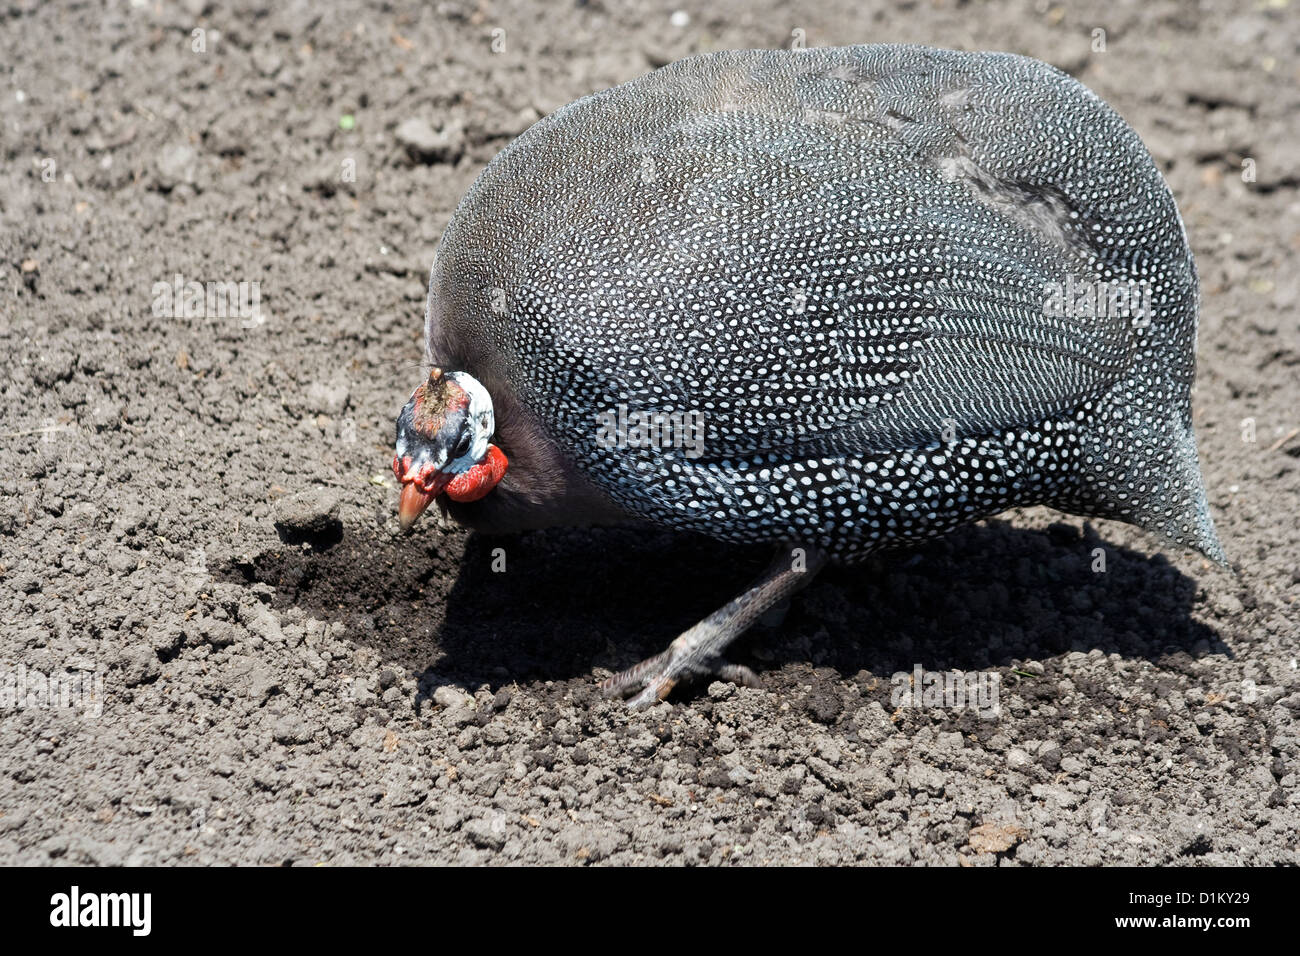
x=698, y=652
x=654, y=678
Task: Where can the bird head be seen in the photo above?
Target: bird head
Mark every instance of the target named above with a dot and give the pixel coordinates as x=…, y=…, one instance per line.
x=444, y=444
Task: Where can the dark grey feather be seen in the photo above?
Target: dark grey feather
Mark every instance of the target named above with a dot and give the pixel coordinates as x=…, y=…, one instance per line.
x=840, y=258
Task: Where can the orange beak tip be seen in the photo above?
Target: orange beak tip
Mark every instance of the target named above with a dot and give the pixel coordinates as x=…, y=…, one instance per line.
x=411, y=505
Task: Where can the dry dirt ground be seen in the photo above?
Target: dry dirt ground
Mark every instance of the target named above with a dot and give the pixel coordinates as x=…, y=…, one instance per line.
x=196, y=513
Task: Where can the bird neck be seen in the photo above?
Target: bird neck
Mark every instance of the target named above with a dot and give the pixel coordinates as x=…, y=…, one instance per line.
x=540, y=489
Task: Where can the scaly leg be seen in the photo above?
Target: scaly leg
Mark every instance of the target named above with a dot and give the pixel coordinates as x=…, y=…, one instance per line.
x=698, y=651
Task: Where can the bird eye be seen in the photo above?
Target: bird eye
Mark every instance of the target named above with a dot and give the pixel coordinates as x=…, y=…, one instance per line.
x=462, y=445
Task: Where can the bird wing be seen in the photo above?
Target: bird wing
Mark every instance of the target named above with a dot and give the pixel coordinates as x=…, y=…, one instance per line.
x=844, y=252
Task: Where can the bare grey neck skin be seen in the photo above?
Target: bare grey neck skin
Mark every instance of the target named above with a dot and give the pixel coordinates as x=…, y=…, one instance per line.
x=541, y=489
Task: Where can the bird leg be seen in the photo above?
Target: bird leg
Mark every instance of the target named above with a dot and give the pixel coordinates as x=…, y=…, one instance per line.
x=698, y=651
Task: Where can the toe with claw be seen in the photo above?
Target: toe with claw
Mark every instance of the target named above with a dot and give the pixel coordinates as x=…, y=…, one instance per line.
x=698, y=652
x=654, y=678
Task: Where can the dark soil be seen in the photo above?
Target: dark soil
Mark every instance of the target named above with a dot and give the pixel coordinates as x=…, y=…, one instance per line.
x=200, y=510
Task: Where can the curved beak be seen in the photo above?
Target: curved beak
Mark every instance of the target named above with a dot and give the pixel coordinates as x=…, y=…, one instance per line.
x=412, y=504
x=415, y=499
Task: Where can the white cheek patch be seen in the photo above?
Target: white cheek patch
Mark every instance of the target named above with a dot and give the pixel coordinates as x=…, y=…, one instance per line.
x=482, y=421
x=421, y=457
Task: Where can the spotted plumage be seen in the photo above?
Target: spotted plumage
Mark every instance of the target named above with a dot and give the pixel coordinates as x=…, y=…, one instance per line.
x=849, y=264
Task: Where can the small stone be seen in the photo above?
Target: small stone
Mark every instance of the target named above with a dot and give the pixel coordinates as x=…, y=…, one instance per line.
x=166, y=638
x=1050, y=756
x=267, y=62
x=1227, y=605
x=261, y=621
x=175, y=165
x=1073, y=765
x=829, y=750
x=451, y=697
x=721, y=689
x=483, y=833
x=139, y=665
x=995, y=837
x=312, y=513
x=740, y=776
x=424, y=144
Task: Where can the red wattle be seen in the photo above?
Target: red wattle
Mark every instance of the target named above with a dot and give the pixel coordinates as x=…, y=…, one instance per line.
x=478, y=481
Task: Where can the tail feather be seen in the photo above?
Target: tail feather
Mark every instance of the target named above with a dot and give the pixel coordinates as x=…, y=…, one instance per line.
x=1140, y=465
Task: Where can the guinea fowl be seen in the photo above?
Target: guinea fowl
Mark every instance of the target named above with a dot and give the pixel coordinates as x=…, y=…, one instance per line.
x=831, y=299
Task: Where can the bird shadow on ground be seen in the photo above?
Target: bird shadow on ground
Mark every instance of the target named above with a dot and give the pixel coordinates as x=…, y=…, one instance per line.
x=550, y=606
